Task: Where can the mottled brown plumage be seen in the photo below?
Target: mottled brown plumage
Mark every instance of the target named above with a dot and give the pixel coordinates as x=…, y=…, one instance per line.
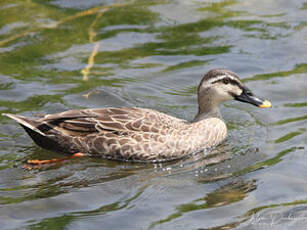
x=139, y=134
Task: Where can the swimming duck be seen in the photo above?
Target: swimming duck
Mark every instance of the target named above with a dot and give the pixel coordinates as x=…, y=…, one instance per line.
x=138, y=134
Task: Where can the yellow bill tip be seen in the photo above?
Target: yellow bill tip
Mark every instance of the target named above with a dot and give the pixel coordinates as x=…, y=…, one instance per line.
x=265, y=104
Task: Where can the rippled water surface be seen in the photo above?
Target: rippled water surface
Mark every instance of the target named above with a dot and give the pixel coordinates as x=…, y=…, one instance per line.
x=57, y=55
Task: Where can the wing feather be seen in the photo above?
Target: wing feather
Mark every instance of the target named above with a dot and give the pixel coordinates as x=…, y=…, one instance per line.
x=89, y=121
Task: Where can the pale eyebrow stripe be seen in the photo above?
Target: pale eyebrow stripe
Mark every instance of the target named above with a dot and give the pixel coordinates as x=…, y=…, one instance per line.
x=222, y=77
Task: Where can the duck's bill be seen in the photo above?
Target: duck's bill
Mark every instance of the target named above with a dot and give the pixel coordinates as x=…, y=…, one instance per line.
x=265, y=104
x=248, y=97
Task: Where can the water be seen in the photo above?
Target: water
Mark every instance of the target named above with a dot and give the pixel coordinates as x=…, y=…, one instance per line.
x=59, y=55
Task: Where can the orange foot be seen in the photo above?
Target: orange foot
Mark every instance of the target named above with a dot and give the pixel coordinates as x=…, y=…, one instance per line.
x=33, y=164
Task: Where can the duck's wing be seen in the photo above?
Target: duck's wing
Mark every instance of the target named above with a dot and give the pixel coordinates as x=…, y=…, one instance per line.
x=116, y=120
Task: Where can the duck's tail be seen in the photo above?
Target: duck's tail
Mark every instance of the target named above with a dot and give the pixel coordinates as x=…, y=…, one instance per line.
x=28, y=124
x=38, y=131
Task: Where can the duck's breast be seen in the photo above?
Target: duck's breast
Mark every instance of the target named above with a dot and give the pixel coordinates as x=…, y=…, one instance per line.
x=210, y=132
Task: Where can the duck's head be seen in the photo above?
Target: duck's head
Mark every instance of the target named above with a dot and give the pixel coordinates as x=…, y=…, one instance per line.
x=219, y=85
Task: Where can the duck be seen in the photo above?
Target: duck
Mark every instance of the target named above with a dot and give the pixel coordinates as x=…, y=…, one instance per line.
x=141, y=134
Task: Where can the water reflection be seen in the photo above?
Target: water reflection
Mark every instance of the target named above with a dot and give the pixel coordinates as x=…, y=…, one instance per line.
x=227, y=194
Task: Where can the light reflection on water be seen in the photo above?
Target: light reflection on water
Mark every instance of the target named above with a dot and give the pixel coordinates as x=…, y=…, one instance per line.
x=153, y=54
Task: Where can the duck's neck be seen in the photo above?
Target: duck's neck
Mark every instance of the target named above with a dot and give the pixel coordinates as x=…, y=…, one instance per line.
x=207, y=113
x=208, y=107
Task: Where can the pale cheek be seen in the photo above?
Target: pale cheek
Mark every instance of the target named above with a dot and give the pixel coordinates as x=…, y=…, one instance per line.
x=227, y=96
x=224, y=96
x=239, y=91
x=224, y=92
x=235, y=90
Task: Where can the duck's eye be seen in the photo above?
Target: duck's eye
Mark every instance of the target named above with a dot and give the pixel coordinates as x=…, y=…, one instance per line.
x=226, y=81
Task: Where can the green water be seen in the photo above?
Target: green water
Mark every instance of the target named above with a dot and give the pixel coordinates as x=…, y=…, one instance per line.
x=57, y=55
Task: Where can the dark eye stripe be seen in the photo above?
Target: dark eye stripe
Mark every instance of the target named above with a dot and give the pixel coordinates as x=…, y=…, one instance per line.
x=231, y=81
